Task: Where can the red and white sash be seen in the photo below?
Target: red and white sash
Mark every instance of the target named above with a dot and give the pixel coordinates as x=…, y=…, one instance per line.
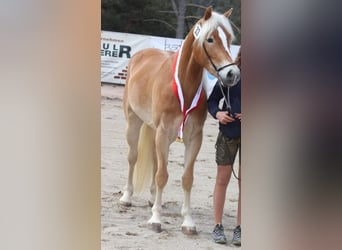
x=177, y=88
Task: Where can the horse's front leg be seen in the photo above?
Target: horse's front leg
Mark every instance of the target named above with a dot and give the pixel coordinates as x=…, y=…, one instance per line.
x=192, y=147
x=161, y=177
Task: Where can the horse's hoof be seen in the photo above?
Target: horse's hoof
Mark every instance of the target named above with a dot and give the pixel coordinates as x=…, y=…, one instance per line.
x=189, y=230
x=156, y=227
x=126, y=203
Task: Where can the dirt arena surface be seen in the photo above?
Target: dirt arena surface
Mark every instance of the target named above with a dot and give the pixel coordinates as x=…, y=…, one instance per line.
x=126, y=227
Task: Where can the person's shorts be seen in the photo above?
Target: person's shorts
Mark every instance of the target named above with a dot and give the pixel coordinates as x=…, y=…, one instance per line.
x=226, y=149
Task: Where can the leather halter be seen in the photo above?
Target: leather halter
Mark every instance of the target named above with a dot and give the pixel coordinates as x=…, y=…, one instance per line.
x=217, y=70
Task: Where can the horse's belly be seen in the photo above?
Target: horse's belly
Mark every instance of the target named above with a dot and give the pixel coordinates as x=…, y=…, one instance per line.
x=149, y=71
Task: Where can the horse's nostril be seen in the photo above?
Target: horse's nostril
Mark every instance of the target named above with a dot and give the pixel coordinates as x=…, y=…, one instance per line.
x=230, y=74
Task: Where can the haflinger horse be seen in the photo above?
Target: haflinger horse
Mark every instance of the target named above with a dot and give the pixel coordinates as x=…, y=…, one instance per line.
x=164, y=101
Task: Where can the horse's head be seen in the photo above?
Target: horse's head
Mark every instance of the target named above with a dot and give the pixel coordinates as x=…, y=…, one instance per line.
x=213, y=35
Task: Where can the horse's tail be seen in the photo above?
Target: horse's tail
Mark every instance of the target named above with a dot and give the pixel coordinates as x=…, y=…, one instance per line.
x=143, y=171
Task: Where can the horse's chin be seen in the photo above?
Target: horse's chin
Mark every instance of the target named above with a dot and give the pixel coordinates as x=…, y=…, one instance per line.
x=230, y=83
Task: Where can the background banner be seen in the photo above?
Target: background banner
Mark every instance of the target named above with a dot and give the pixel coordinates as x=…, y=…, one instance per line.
x=117, y=48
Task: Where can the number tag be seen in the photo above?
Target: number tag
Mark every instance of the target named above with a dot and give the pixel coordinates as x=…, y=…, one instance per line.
x=197, y=31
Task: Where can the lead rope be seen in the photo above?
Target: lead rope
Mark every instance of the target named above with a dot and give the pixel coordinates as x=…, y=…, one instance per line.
x=226, y=98
x=227, y=101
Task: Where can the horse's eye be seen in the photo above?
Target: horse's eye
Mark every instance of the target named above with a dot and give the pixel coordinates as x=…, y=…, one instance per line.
x=210, y=40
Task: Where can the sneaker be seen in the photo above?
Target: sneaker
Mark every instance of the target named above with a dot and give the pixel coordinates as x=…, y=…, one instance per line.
x=218, y=234
x=237, y=236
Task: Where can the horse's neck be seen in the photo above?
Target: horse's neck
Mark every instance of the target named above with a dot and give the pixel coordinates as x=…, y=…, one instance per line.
x=189, y=72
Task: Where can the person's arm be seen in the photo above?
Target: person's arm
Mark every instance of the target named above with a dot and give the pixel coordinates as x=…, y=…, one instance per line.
x=214, y=100
x=224, y=118
x=213, y=106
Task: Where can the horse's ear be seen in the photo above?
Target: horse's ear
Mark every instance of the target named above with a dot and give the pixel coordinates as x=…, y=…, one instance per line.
x=207, y=14
x=228, y=13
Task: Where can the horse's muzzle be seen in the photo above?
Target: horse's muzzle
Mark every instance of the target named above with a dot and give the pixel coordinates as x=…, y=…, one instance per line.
x=230, y=76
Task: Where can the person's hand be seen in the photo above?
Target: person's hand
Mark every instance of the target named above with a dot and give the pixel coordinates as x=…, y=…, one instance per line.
x=238, y=116
x=224, y=118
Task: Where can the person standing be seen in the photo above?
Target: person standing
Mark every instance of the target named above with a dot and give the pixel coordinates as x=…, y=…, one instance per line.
x=227, y=145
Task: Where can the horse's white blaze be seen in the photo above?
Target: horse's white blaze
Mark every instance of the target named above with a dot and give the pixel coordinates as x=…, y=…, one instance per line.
x=233, y=69
x=224, y=41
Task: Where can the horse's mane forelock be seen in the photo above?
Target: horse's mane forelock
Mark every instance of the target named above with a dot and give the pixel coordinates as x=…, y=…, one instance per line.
x=212, y=23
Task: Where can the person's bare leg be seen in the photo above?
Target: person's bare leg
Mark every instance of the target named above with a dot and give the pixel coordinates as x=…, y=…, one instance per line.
x=239, y=200
x=222, y=179
x=237, y=231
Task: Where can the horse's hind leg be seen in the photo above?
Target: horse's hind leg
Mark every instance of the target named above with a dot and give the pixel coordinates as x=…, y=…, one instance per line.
x=153, y=184
x=132, y=136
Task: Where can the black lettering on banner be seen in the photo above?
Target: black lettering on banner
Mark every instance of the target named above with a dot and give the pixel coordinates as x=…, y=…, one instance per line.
x=116, y=52
x=125, y=50
x=171, y=46
x=105, y=45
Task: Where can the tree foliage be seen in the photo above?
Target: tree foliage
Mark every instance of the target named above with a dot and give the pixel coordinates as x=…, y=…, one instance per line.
x=166, y=18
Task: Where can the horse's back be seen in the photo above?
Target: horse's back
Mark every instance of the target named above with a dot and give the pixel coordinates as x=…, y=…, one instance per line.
x=148, y=62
